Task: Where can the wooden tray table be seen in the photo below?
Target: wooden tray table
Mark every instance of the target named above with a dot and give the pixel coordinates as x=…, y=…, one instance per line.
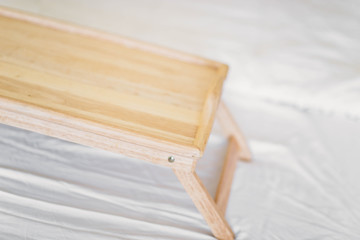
x=118, y=94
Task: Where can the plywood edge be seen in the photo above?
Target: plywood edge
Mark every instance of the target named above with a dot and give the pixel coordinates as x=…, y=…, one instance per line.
x=95, y=140
x=210, y=108
x=93, y=33
x=49, y=117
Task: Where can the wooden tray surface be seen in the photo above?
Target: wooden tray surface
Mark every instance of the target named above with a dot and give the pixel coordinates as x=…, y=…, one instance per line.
x=107, y=85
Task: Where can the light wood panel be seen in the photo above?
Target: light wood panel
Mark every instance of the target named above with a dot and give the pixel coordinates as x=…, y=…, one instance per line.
x=32, y=118
x=127, y=87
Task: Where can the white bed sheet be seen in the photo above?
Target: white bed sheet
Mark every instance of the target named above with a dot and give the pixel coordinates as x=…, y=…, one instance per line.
x=294, y=88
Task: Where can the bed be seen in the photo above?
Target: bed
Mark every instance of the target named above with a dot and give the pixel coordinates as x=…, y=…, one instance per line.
x=294, y=88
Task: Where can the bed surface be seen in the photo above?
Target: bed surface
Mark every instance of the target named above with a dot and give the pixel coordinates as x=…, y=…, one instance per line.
x=294, y=89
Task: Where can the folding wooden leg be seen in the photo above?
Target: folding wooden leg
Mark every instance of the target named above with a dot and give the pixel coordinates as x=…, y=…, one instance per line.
x=214, y=211
x=205, y=204
x=237, y=148
x=230, y=127
x=227, y=175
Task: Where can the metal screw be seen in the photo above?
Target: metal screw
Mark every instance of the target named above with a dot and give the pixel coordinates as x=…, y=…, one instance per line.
x=171, y=159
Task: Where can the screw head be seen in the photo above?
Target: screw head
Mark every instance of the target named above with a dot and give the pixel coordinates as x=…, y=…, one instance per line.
x=171, y=159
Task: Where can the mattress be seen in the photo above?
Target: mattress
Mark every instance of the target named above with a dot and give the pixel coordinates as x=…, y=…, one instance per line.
x=293, y=87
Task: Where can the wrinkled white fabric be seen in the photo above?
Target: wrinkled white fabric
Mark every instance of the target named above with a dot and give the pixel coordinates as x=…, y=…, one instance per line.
x=294, y=88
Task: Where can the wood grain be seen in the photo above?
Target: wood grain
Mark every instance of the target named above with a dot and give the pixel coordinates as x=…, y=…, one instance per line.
x=114, y=93
x=108, y=85
x=205, y=204
x=33, y=121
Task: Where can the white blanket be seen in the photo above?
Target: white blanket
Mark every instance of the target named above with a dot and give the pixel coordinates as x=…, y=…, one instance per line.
x=294, y=88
